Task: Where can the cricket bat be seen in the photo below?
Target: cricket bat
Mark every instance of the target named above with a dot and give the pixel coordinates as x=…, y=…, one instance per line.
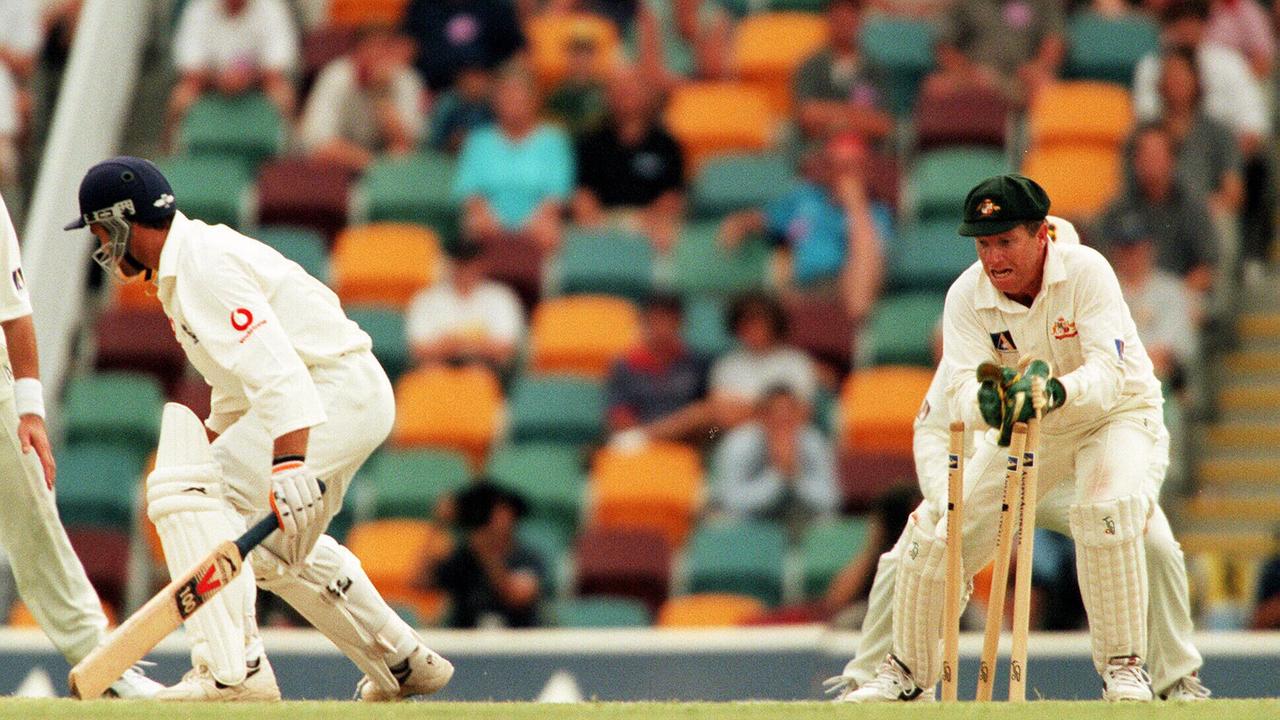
x=164, y=613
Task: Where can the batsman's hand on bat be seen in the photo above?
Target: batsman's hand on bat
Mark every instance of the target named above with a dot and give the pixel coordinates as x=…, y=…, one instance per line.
x=295, y=497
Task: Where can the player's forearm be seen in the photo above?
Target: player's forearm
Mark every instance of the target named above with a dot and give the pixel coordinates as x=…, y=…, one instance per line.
x=20, y=333
x=291, y=444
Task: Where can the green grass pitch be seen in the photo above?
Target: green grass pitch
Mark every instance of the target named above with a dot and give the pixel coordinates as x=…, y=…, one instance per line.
x=119, y=710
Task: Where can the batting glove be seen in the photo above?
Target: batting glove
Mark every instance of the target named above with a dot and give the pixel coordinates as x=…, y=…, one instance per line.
x=295, y=496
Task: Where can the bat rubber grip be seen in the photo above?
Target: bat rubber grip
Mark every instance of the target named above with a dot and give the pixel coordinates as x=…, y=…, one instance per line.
x=259, y=532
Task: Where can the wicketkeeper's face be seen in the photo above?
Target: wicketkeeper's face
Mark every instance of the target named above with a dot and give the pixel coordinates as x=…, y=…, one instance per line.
x=1014, y=260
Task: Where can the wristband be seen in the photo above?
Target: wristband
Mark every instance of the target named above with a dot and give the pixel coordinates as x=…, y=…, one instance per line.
x=287, y=462
x=28, y=397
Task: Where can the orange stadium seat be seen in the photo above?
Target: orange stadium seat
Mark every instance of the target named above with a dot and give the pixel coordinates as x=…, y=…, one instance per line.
x=658, y=487
x=878, y=407
x=384, y=263
x=137, y=295
x=1080, y=111
x=457, y=408
x=550, y=37
x=1081, y=179
x=20, y=615
x=768, y=47
x=715, y=117
x=349, y=13
x=581, y=334
x=396, y=555
x=709, y=610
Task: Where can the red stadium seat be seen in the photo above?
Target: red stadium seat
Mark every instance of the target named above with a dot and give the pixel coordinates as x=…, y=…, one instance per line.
x=866, y=476
x=306, y=193
x=193, y=392
x=972, y=116
x=625, y=562
x=104, y=552
x=517, y=262
x=139, y=340
x=820, y=327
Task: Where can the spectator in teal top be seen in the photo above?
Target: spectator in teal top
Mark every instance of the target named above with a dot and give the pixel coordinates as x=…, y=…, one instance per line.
x=514, y=177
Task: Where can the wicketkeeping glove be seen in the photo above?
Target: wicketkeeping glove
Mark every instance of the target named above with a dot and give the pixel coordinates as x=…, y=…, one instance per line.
x=1007, y=396
x=295, y=496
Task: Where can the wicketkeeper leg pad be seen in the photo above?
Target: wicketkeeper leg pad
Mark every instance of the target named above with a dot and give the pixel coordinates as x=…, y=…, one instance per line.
x=918, y=599
x=1111, y=564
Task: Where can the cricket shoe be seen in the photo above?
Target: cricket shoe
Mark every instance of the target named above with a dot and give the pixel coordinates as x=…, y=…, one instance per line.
x=1187, y=689
x=199, y=685
x=422, y=673
x=892, y=683
x=1124, y=680
x=134, y=685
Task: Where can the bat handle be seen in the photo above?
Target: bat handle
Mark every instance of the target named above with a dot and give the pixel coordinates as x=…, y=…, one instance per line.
x=259, y=532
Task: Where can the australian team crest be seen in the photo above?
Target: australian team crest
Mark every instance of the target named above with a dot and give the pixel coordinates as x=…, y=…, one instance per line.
x=1063, y=329
x=987, y=208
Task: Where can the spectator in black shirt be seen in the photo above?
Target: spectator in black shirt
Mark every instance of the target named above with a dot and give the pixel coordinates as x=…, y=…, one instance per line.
x=631, y=170
x=456, y=34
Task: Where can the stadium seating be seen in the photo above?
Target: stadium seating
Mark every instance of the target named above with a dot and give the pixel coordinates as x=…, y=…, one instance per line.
x=738, y=181
x=820, y=327
x=517, y=262
x=386, y=327
x=215, y=189
x=744, y=557
x=940, y=179
x=97, y=484
x=581, y=334
x=878, y=406
x=396, y=554
x=301, y=245
x=827, y=546
x=139, y=341
x=929, y=256
x=104, y=554
x=901, y=49
x=1108, y=48
x=703, y=265
x=304, y=192
x=601, y=612
x=354, y=13
x=1076, y=195
x=556, y=408
x=193, y=392
x=549, y=542
x=136, y=295
x=866, y=476
x=408, y=483
x=624, y=562
x=321, y=46
x=768, y=47
x=697, y=118
x=550, y=36
x=901, y=328
x=658, y=487
x=384, y=263
x=548, y=476
x=1106, y=124
x=705, y=610
x=442, y=407
x=606, y=262
x=413, y=189
x=114, y=407
x=972, y=116
x=704, y=329
x=245, y=126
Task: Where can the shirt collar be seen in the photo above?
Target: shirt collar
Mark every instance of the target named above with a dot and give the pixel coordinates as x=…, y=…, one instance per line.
x=987, y=296
x=173, y=243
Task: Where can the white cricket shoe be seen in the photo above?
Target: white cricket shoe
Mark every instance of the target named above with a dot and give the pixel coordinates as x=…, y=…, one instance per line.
x=422, y=673
x=892, y=683
x=1187, y=689
x=134, y=685
x=199, y=685
x=1124, y=680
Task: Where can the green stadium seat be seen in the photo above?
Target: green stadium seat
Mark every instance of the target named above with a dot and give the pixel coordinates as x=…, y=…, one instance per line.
x=738, y=181
x=704, y=326
x=941, y=178
x=813, y=6
x=550, y=543
x=386, y=327
x=902, y=49
x=1108, y=49
x=556, y=408
x=340, y=525
x=929, y=256
x=213, y=189
x=827, y=547
x=602, y=612
x=900, y=331
x=248, y=127
x=610, y=263
x=548, y=476
x=114, y=407
x=407, y=483
x=703, y=266
x=98, y=484
x=414, y=189
x=301, y=245
x=742, y=557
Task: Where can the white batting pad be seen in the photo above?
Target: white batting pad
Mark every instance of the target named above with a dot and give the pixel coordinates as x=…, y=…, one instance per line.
x=918, y=603
x=1112, y=567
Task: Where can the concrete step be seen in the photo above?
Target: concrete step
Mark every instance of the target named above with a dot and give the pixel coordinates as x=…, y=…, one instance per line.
x=1206, y=507
x=1243, y=435
x=1252, y=362
x=1240, y=471
x=1234, y=544
x=1259, y=325
x=1253, y=396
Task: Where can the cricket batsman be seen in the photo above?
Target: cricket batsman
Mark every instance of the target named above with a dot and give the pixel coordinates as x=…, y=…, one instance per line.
x=298, y=399
x=1175, y=661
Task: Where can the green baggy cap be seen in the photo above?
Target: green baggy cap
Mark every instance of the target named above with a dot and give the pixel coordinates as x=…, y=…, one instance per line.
x=1002, y=203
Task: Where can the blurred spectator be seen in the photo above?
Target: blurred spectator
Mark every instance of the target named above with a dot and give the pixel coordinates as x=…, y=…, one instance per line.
x=923, y=9
x=649, y=386
x=835, y=90
x=1245, y=26
x=631, y=169
x=1158, y=300
x=367, y=103
x=466, y=318
x=778, y=466
x=845, y=600
x=1055, y=589
x=462, y=108
x=1016, y=46
x=515, y=176
x=491, y=579
x=620, y=12
x=761, y=360
x=578, y=101
x=452, y=35
x=1186, y=243
x=233, y=47
x=1266, y=616
x=20, y=38
x=832, y=233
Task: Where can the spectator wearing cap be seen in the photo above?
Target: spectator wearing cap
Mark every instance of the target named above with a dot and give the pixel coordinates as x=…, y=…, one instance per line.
x=631, y=170
x=367, y=103
x=651, y=387
x=1016, y=46
x=1161, y=306
x=452, y=35
x=577, y=102
x=233, y=47
x=465, y=317
x=836, y=90
x=490, y=577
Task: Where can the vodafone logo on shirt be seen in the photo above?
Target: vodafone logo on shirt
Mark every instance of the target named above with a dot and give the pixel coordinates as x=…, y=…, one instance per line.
x=241, y=319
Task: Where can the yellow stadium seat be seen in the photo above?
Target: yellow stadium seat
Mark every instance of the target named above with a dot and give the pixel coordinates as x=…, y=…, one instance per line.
x=354, y=13
x=657, y=487
x=709, y=610
x=1080, y=111
x=878, y=407
x=1080, y=179
x=551, y=35
x=384, y=263
x=709, y=118
x=581, y=334
x=396, y=555
x=458, y=408
x=769, y=47
x=20, y=615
